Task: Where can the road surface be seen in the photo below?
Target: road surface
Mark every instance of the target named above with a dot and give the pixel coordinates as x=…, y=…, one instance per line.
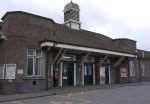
x=121, y=95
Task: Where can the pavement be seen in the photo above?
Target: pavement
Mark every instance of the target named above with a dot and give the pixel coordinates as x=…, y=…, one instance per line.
x=65, y=90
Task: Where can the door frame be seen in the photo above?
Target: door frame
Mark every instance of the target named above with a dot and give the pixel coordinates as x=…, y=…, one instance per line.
x=92, y=74
x=74, y=72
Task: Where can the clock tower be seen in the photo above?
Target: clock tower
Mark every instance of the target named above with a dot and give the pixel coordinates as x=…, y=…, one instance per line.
x=72, y=15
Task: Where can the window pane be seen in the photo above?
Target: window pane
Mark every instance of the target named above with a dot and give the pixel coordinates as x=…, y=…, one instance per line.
x=30, y=66
x=38, y=52
x=38, y=66
x=31, y=51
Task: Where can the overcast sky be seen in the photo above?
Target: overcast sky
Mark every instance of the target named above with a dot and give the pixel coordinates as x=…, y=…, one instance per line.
x=114, y=18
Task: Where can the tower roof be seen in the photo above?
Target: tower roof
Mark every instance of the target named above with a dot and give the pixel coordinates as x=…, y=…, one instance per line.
x=71, y=5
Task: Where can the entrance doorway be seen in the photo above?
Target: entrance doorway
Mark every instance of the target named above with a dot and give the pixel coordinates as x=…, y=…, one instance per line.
x=68, y=74
x=107, y=74
x=97, y=73
x=88, y=73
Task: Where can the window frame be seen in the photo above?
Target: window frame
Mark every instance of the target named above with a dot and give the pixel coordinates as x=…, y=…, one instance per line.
x=35, y=57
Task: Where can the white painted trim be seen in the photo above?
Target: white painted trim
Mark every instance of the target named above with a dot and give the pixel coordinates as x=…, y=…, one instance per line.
x=75, y=81
x=94, y=82
x=66, y=46
x=44, y=44
x=93, y=50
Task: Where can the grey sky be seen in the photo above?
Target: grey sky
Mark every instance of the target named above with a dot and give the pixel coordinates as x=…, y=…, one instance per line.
x=114, y=18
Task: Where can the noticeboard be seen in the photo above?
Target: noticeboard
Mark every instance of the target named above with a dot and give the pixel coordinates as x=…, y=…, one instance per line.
x=10, y=71
x=2, y=71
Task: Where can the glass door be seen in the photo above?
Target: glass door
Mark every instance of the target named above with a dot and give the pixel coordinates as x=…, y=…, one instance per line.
x=68, y=73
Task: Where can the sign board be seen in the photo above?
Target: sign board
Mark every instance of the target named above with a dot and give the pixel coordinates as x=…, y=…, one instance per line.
x=2, y=71
x=123, y=72
x=20, y=71
x=10, y=71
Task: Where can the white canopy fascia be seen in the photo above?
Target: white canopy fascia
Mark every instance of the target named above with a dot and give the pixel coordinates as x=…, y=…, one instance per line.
x=74, y=47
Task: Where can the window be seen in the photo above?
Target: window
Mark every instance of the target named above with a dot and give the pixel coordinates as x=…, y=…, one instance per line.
x=34, y=62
